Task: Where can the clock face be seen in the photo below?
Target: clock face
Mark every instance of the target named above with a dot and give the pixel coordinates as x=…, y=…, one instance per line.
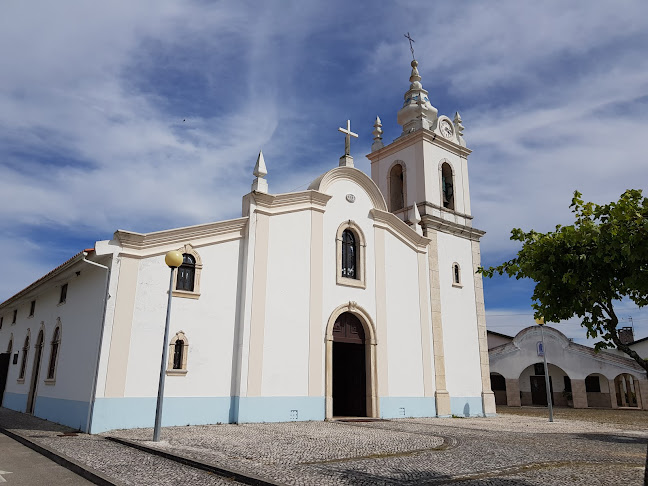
x=446, y=128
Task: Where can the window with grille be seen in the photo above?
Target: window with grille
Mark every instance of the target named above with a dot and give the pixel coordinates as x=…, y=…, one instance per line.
x=56, y=341
x=178, y=349
x=23, y=364
x=349, y=255
x=186, y=273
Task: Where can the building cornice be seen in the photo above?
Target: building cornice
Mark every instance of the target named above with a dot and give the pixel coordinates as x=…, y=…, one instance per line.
x=400, y=229
x=456, y=229
x=415, y=137
x=229, y=229
x=289, y=202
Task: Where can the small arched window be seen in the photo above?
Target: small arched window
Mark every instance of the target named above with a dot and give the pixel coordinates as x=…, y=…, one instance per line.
x=350, y=244
x=186, y=273
x=56, y=342
x=178, y=348
x=456, y=275
x=447, y=186
x=396, y=193
x=349, y=255
x=23, y=363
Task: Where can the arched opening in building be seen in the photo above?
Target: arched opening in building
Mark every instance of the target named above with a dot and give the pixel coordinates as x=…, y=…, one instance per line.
x=396, y=193
x=498, y=385
x=447, y=186
x=533, y=388
x=349, y=367
x=626, y=387
x=597, y=388
x=38, y=348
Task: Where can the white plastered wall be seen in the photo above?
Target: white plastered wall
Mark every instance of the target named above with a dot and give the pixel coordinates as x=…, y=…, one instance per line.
x=80, y=318
x=208, y=323
x=405, y=373
x=459, y=318
x=286, y=333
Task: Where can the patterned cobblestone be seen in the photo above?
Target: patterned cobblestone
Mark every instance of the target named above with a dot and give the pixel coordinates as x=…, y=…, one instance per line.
x=503, y=450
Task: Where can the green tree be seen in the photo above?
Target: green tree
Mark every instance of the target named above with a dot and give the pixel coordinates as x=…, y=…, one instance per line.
x=585, y=268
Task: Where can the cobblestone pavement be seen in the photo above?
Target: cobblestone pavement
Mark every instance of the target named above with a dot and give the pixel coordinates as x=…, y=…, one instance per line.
x=504, y=450
x=122, y=464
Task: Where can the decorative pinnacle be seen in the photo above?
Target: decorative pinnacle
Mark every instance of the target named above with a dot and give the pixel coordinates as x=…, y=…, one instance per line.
x=377, y=133
x=457, y=123
x=415, y=219
x=260, y=171
x=260, y=167
x=415, y=77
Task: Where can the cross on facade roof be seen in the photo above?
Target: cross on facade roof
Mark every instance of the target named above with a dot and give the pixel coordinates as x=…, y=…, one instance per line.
x=410, y=41
x=347, y=140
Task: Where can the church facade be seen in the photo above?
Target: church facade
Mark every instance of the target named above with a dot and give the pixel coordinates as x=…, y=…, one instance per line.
x=357, y=297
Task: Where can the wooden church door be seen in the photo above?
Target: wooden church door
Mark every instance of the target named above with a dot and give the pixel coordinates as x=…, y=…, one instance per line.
x=349, y=368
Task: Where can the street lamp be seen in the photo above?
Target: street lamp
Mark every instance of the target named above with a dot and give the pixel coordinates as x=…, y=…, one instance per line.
x=540, y=322
x=173, y=259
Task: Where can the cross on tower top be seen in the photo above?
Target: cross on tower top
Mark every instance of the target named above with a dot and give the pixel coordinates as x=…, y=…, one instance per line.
x=347, y=140
x=410, y=41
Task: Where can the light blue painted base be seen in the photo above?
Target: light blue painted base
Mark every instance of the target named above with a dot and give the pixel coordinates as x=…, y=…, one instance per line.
x=279, y=409
x=72, y=413
x=399, y=407
x=128, y=413
x=131, y=413
x=15, y=401
x=466, y=406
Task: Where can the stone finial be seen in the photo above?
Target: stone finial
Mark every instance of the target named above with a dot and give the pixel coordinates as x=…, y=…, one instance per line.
x=415, y=77
x=377, y=133
x=260, y=171
x=415, y=219
x=459, y=128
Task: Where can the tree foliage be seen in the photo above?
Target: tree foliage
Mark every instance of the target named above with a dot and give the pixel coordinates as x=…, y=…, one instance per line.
x=584, y=268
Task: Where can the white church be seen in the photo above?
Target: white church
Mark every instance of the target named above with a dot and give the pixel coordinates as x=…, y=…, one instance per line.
x=357, y=297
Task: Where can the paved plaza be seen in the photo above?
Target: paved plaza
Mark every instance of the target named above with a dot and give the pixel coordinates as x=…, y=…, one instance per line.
x=518, y=447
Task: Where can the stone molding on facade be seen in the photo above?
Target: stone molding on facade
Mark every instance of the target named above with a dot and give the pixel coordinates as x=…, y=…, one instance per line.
x=414, y=137
x=400, y=229
x=323, y=182
x=371, y=342
x=439, y=224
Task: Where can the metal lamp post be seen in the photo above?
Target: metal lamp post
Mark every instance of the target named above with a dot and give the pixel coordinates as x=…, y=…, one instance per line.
x=540, y=322
x=173, y=259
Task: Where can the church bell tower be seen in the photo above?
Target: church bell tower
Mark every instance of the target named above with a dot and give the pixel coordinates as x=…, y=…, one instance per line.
x=427, y=164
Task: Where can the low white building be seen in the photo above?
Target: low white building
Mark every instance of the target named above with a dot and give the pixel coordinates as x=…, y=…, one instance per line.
x=579, y=376
x=356, y=297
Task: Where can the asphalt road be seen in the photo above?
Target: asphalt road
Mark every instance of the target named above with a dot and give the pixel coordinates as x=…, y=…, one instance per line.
x=21, y=465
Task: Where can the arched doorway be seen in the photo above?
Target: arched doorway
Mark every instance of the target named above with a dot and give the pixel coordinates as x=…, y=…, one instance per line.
x=597, y=388
x=533, y=388
x=498, y=385
x=31, y=398
x=349, y=367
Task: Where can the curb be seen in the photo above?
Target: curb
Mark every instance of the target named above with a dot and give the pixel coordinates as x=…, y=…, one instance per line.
x=76, y=467
x=205, y=466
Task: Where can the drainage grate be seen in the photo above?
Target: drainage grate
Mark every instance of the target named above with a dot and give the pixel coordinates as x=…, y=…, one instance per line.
x=401, y=412
x=294, y=415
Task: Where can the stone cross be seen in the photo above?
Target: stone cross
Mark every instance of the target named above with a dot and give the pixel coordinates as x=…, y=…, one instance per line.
x=347, y=140
x=410, y=41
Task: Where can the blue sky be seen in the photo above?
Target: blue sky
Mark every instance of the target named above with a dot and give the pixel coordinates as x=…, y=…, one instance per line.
x=149, y=115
